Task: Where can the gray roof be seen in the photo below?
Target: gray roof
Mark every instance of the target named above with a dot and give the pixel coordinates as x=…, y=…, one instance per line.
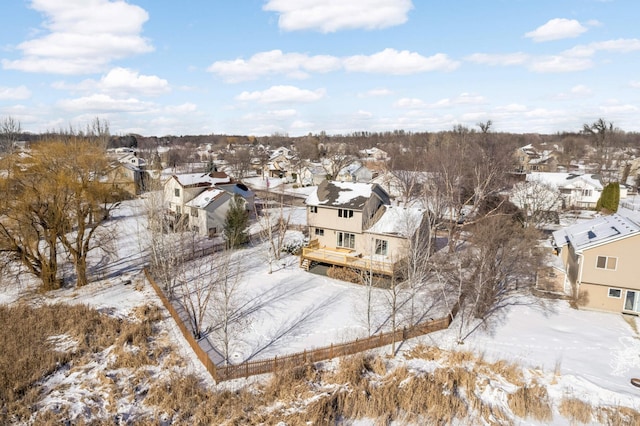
x=597, y=231
x=346, y=194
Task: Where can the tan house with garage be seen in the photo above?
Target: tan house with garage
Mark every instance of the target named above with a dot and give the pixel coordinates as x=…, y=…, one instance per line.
x=354, y=225
x=600, y=257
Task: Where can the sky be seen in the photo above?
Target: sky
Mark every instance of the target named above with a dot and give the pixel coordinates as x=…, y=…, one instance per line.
x=264, y=67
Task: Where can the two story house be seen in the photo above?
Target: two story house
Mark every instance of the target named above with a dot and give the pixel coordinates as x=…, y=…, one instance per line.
x=576, y=190
x=199, y=201
x=600, y=258
x=354, y=225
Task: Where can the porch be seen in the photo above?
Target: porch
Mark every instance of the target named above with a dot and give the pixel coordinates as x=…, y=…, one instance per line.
x=349, y=258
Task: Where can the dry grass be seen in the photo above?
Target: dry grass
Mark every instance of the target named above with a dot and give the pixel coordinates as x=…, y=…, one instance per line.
x=576, y=410
x=531, y=401
x=29, y=355
x=344, y=274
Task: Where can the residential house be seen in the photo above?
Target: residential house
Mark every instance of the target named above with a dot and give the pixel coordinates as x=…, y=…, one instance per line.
x=353, y=225
x=200, y=201
x=312, y=174
x=355, y=172
x=208, y=210
x=576, y=190
x=279, y=163
x=529, y=159
x=125, y=177
x=374, y=154
x=600, y=258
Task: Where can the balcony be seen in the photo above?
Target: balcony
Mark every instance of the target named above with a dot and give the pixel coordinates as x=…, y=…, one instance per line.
x=348, y=258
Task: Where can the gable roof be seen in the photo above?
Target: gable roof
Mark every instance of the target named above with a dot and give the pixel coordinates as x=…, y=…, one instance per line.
x=566, y=180
x=401, y=221
x=207, y=197
x=201, y=179
x=349, y=195
x=595, y=232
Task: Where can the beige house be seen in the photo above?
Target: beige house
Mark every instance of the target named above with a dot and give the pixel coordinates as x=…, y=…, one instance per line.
x=353, y=225
x=200, y=201
x=600, y=258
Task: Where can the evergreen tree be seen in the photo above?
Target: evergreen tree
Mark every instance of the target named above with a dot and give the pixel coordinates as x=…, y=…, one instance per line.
x=236, y=223
x=610, y=198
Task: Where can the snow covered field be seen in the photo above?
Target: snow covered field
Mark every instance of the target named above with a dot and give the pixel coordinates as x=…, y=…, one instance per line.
x=589, y=355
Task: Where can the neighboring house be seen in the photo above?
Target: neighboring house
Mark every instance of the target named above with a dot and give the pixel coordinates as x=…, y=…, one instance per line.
x=576, y=190
x=125, y=177
x=354, y=225
x=374, y=154
x=355, y=172
x=208, y=210
x=279, y=163
x=529, y=159
x=312, y=174
x=201, y=200
x=600, y=257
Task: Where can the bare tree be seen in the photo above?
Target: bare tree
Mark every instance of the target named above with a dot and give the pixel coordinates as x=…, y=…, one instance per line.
x=492, y=270
x=10, y=131
x=228, y=322
x=194, y=291
x=539, y=202
x=273, y=228
x=603, y=135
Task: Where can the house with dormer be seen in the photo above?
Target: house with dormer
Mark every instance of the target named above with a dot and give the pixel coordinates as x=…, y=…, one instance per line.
x=199, y=201
x=576, y=190
x=353, y=225
x=600, y=259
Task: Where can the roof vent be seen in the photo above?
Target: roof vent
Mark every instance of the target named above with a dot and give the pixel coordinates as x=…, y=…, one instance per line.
x=591, y=235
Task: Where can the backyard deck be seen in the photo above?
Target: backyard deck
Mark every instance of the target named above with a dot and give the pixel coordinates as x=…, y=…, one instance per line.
x=346, y=258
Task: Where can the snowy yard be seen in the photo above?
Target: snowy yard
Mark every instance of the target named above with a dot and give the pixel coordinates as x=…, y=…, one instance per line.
x=595, y=354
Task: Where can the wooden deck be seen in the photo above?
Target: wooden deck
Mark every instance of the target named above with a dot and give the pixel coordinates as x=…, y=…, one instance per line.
x=345, y=257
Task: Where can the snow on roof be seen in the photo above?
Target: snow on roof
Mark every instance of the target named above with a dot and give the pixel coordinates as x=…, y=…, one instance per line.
x=335, y=193
x=402, y=221
x=596, y=231
x=205, y=198
x=565, y=180
x=202, y=179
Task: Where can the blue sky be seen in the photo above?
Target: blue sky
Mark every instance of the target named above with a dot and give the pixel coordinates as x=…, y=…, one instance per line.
x=259, y=67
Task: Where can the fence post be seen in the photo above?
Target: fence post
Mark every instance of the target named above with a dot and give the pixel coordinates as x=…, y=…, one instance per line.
x=331, y=351
x=275, y=363
x=304, y=357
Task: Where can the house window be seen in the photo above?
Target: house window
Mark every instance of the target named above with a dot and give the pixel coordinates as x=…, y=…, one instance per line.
x=586, y=192
x=346, y=239
x=212, y=231
x=319, y=232
x=176, y=192
x=313, y=209
x=615, y=293
x=194, y=212
x=345, y=213
x=605, y=262
x=178, y=211
x=195, y=229
x=381, y=247
x=632, y=301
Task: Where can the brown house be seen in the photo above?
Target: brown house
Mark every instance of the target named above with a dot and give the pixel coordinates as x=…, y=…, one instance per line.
x=600, y=257
x=353, y=225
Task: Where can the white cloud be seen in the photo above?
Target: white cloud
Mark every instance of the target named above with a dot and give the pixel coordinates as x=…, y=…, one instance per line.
x=103, y=103
x=83, y=36
x=557, y=29
x=334, y=15
x=517, y=58
x=511, y=108
x=622, y=45
x=576, y=92
x=14, y=93
x=185, y=108
x=293, y=65
x=391, y=61
x=123, y=80
x=559, y=63
x=409, y=103
x=375, y=93
x=277, y=94
x=462, y=99
x=635, y=84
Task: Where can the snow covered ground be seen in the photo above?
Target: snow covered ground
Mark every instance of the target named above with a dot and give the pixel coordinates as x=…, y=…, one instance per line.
x=595, y=354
